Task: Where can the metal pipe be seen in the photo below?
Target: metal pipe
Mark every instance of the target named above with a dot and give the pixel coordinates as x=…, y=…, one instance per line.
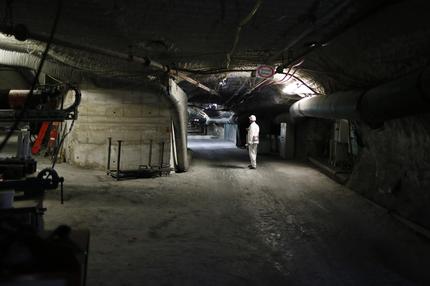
x=150, y=154
x=118, y=163
x=402, y=97
x=162, y=158
x=109, y=154
x=340, y=105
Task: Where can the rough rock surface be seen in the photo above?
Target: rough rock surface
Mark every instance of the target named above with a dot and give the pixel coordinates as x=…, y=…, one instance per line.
x=394, y=167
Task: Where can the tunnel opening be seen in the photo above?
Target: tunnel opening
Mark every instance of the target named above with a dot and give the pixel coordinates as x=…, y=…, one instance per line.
x=193, y=140
x=211, y=121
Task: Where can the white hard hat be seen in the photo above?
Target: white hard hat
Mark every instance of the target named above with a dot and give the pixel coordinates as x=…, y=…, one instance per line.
x=253, y=118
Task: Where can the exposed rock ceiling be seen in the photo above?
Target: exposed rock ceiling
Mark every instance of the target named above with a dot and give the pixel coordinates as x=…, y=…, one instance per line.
x=196, y=35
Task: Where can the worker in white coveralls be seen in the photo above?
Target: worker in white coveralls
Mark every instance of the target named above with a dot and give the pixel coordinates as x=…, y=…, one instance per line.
x=252, y=141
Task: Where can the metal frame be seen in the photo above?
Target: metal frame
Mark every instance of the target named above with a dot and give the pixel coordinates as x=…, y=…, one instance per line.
x=143, y=171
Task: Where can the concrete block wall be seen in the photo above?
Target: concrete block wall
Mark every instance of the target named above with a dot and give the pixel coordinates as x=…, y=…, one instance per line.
x=136, y=117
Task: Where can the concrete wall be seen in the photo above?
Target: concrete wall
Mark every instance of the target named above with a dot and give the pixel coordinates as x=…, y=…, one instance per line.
x=134, y=116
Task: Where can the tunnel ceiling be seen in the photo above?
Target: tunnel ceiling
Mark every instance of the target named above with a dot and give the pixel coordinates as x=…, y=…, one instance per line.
x=199, y=37
x=193, y=34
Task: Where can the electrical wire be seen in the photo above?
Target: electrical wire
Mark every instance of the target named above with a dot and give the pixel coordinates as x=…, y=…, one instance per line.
x=259, y=86
x=290, y=75
x=305, y=84
x=36, y=77
x=212, y=71
x=57, y=151
x=239, y=29
x=268, y=82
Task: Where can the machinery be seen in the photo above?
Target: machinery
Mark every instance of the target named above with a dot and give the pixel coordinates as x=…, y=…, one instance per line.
x=29, y=109
x=30, y=255
x=46, y=103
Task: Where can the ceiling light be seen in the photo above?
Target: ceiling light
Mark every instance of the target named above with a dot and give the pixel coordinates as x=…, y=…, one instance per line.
x=279, y=76
x=296, y=87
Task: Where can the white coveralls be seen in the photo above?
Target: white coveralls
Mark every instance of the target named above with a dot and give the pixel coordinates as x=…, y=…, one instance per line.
x=252, y=141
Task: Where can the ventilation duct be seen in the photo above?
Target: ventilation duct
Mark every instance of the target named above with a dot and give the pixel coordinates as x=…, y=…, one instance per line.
x=179, y=110
x=18, y=59
x=405, y=96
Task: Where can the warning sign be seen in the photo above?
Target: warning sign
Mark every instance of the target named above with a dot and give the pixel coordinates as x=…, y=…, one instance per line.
x=265, y=71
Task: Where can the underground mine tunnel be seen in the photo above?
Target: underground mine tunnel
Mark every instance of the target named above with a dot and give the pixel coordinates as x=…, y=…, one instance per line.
x=166, y=142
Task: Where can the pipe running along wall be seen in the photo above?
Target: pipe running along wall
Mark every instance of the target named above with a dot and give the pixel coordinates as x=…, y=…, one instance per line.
x=402, y=97
x=18, y=59
x=179, y=111
x=109, y=53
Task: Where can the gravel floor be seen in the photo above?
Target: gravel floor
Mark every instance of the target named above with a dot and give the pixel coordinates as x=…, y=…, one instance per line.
x=223, y=224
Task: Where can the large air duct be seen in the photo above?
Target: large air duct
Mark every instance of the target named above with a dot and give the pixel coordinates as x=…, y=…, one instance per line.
x=405, y=96
x=179, y=108
x=19, y=59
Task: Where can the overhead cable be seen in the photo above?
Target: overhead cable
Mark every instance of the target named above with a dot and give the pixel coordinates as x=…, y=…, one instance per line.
x=239, y=29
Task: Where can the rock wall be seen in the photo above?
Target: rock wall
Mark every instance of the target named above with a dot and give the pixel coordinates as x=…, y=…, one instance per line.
x=394, y=167
x=312, y=138
x=382, y=47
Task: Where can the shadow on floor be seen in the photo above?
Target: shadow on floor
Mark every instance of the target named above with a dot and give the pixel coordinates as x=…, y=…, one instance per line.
x=224, y=166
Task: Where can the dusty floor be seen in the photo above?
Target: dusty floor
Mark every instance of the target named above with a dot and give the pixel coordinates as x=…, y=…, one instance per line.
x=223, y=224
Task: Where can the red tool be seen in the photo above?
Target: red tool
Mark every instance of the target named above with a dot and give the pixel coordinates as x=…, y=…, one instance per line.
x=39, y=140
x=53, y=135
